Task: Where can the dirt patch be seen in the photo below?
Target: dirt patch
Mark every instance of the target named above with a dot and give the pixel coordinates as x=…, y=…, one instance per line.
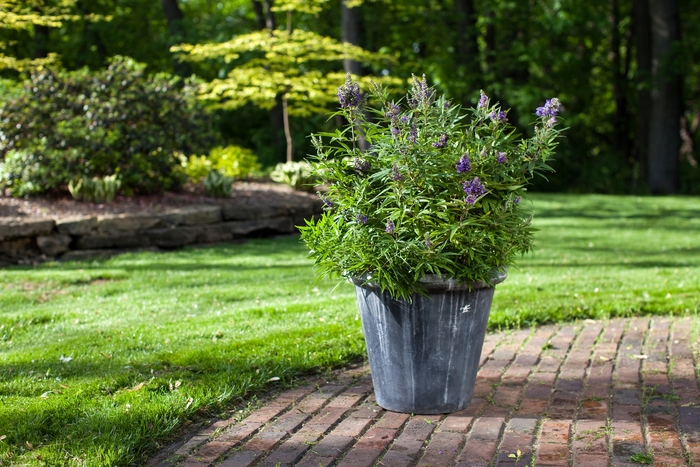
x=61, y=207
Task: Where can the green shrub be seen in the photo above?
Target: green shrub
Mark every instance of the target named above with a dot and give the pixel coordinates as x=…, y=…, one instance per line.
x=297, y=175
x=95, y=189
x=233, y=161
x=218, y=185
x=63, y=125
x=196, y=167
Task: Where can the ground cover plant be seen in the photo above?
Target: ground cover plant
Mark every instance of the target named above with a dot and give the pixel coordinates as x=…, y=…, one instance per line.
x=99, y=361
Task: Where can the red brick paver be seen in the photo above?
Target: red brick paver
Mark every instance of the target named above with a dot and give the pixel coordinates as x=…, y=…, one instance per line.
x=589, y=394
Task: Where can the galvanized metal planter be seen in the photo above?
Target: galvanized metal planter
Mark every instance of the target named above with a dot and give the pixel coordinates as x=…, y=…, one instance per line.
x=424, y=355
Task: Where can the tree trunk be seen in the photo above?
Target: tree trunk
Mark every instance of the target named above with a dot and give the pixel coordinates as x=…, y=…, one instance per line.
x=41, y=41
x=467, y=46
x=174, y=17
x=620, y=136
x=287, y=130
x=278, y=125
x=642, y=33
x=666, y=99
x=259, y=14
x=351, y=34
x=270, y=22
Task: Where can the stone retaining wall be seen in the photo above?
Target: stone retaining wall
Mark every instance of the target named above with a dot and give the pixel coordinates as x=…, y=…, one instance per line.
x=29, y=240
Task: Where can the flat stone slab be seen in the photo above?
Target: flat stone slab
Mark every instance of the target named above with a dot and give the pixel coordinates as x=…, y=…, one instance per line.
x=78, y=225
x=16, y=227
x=548, y=396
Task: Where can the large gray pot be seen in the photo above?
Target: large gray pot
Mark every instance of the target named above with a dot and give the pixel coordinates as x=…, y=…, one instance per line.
x=424, y=355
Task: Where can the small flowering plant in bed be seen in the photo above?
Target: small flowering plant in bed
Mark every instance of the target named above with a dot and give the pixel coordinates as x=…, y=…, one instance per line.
x=438, y=191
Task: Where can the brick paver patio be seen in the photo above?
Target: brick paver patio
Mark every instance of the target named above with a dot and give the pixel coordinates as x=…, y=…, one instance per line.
x=588, y=394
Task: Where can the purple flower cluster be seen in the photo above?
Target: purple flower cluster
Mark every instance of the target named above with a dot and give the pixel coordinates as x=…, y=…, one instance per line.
x=464, y=164
x=441, y=142
x=550, y=109
x=483, y=100
x=413, y=135
x=395, y=131
x=361, y=165
x=446, y=105
x=498, y=116
x=517, y=200
x=395, y=174
x=473, y=188
x=501, y=159
x=392, y=112
x=390, y=227
x=327, y=203
x=421, y=93
x=349, y=94
x=361, y=219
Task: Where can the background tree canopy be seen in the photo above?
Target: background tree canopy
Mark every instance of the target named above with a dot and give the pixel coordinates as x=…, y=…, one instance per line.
x=626, y=71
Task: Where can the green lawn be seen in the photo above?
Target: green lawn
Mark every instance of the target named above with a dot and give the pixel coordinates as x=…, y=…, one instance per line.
x=100, y=361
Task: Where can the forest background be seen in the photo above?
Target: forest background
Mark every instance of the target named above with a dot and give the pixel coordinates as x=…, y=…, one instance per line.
x=626, y=71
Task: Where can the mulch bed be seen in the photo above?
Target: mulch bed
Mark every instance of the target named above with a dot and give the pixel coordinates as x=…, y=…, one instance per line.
x=65, y=206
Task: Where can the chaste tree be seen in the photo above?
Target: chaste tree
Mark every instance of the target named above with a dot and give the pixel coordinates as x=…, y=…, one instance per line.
x=283, y=64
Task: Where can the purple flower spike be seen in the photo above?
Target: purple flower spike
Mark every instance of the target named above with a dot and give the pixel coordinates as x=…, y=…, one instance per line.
x=413, y=135
x=473, y=188
x=395, y=132
x=464, y=164
x=361, y=165
x=501, y=159
x=483, y=100
x=421, y=94
x=395, y=174
x=441, y=143
x=361, y=219
x=517, y=200
x=498, y=116
x=550, y=109
x=390, y=227
x=349, y=95
x=446, y=105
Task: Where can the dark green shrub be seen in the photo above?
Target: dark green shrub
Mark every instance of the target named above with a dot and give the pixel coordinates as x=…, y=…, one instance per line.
x=66, y=125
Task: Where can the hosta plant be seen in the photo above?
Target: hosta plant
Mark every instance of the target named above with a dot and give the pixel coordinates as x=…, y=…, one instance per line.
x=438, y=191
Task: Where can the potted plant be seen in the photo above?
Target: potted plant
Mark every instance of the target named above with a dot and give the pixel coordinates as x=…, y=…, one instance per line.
x=424, y=223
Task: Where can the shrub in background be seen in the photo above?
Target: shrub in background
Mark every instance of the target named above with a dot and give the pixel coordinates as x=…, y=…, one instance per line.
x=64, y=125
x=196, y=167
x=298, y=175
x=233, y=161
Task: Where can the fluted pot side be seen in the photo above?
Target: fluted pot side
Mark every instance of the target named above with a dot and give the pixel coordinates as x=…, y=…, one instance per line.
x=424, y=355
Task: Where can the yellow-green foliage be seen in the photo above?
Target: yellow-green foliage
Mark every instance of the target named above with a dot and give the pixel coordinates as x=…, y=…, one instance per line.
x=95, y=189
x=21, y=15
x=196, y=167
x=297, y=175
x=283, y=63
x=234, y=161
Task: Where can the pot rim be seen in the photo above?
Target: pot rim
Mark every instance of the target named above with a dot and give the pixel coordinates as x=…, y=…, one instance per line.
x=435, y=282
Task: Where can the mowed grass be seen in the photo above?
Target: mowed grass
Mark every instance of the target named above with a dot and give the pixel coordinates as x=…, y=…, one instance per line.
x=100, y=362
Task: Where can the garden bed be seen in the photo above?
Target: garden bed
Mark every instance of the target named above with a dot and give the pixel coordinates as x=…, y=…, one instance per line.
x=40, y=229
